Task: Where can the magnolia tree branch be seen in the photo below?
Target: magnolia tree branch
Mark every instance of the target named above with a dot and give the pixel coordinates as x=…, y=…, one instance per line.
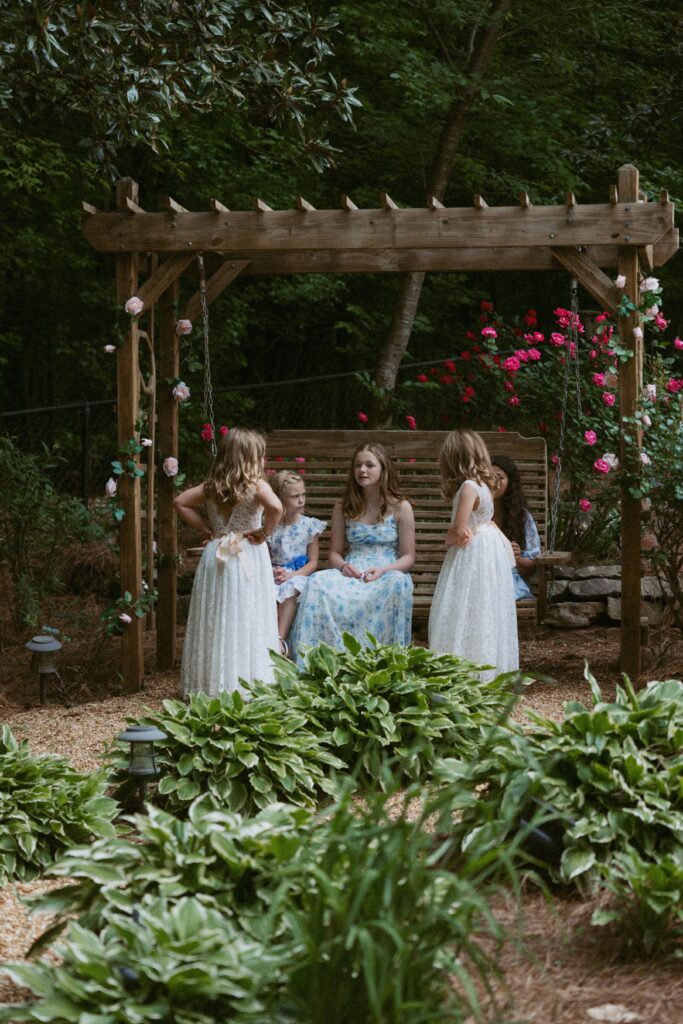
x=397, y=340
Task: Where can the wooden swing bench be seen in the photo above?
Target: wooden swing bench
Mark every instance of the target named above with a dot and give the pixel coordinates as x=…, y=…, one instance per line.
x=324, y=456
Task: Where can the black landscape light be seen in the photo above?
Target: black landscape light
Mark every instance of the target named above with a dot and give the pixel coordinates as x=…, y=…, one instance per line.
x=43, y=660
x=142, y=760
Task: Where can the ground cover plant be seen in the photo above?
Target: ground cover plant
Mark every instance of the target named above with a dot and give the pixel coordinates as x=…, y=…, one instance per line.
x=390, y=704
x=607, y=780
x=45, y=807
x=223, y=859
x=246, y=754
x=360, y=922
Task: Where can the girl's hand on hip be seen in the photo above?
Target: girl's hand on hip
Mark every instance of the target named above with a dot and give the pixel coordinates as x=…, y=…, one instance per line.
x=370, y=575
x=256, y=536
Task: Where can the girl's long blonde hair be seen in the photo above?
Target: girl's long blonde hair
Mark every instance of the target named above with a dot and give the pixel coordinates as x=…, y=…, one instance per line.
x=283, y=480
x=353, y=503
x=238, y=466
x=464, y=456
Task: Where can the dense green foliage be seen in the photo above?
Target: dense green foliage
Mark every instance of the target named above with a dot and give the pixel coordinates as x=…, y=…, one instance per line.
x=609, y=778
x=246, y=754
x=345, y=916
x=389, y=704
x=45, y=807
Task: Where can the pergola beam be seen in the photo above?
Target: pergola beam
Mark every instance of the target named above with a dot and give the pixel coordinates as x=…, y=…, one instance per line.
x=624, y=224
x=593, y=279
x=226, y=273
x=163, y=277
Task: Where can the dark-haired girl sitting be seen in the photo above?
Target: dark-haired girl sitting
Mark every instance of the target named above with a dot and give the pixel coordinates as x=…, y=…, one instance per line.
x=512, y=515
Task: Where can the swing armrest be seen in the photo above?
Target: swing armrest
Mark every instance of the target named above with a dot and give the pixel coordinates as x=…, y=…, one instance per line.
x=543, y=562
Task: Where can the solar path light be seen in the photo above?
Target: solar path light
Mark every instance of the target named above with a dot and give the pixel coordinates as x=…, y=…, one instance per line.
x=43, y=660
x=142, y=759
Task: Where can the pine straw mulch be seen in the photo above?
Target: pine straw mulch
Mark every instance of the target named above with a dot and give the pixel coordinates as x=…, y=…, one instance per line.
x=556, y=970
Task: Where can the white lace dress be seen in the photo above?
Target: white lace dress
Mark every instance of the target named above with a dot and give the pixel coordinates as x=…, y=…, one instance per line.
x=232, y=622
x=473, y=612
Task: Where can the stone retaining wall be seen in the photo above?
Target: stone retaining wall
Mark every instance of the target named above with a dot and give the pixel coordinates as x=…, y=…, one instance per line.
x=582, y=597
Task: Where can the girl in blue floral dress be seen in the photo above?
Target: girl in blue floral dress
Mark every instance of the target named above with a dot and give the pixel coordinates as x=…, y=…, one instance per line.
x=372, y=547
x=294, y=546
x=512, y=515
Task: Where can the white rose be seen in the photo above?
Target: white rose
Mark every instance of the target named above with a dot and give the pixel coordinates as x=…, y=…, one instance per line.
x=110, y=487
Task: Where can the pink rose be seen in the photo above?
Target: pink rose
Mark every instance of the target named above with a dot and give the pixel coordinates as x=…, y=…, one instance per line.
x=599, y=379
x=511, y=364
x=600, y=466
x=134, y=306
x=170, y=466
x=533, y=354
x=645, y=458
x=411, y=423
x=489, y=332
x=110, y=487
x=590, y=436
x=146, y=442
x=557, y=339
x=585, y=505
x=224, y=431
x=608, y=398
x=592, y=354
x=125, y=618
x=650, y=392
x=652, y=310
x=555, y=459
x=538, y=337
x=620, y=281
x=422, y=377
x=678, y=342
x=645, y=420
x=183, y=327
x=508, y=385
x=650, y=284
x=660, y=323
x=206, y=433
x=181, y=392
x=362, y=417
x=673, y=386
x=514, y=400
x=109, y=349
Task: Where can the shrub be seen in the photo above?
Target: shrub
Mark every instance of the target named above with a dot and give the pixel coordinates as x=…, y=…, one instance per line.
x=224, y=860
x=45, y=807
x=385, y=703
x=246, y=754
x=183, y=963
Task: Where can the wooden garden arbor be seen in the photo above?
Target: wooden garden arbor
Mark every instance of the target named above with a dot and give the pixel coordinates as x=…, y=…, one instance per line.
x=626, y=234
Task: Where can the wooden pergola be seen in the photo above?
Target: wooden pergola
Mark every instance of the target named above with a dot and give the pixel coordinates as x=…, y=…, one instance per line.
x=627, y=234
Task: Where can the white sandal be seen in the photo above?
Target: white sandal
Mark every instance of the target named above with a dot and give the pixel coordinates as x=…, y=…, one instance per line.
x=284, y=647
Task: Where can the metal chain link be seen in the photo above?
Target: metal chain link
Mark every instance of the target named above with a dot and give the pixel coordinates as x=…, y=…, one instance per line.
x=208, y=386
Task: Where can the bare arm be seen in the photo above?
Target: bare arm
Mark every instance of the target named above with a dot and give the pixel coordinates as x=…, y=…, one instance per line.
x=458, y=533
x=186, y=504
x=272, y=513
x=312, y=552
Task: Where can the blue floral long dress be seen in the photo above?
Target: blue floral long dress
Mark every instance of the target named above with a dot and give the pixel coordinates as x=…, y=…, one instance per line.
x=333, y=604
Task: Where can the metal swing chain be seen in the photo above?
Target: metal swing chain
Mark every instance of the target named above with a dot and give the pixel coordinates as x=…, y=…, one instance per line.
x=572, y=339
x=208, y=386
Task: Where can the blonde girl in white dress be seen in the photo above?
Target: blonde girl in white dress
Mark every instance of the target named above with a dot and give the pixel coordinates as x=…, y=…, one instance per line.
x=232, y=622
x=473, y=612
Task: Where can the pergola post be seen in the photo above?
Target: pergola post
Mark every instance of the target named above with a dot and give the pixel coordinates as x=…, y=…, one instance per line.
x=128, y=411
x=630, y=384
x=169, y=366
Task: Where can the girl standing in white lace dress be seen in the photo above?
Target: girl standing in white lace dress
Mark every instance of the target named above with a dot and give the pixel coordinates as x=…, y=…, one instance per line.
x=473, y=612
x=294, y=548
x=232, y=622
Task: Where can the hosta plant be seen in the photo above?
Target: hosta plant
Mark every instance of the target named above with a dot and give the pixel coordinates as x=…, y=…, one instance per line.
x=183, y=963
x=386, y=702
x=246, y=754
x=610, y=774
x=223, y=859
x=45, y=807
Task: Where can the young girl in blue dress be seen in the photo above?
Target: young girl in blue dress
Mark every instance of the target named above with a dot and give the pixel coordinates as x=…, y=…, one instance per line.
x=294, y=548
x=511, y=514
x=372, y=547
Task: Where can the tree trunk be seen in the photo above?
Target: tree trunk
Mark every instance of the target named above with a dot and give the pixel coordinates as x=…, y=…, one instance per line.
x=401, y=328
